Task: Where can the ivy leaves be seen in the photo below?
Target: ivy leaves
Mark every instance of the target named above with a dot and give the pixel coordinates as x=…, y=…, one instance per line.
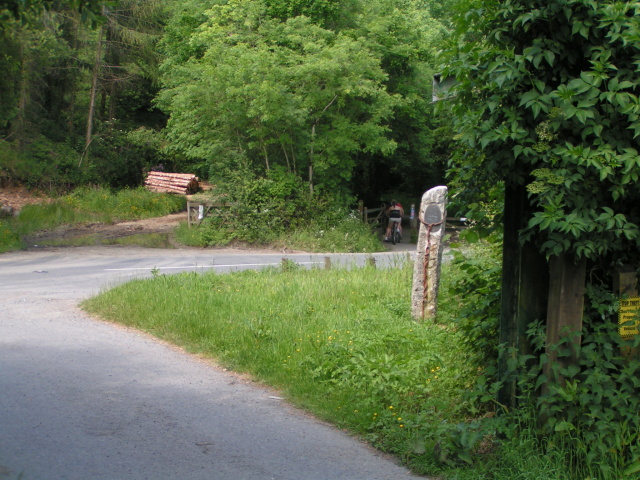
x=552, y=98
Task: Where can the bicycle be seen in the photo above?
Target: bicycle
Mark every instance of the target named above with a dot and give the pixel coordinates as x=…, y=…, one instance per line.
x=395, y=233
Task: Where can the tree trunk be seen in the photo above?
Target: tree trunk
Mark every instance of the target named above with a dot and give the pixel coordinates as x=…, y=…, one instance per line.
x=19, y=123
x=524, y=290
x=94, y=89
x=564, y=316
x=313, y=136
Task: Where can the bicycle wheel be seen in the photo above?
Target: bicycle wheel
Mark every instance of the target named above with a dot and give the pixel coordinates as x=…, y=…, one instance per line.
x=394, y=233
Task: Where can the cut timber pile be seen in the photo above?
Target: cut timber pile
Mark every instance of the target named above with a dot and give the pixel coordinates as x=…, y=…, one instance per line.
x=181, y=183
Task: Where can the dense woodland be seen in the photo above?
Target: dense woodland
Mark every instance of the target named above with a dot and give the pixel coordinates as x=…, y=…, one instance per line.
x=336, y=93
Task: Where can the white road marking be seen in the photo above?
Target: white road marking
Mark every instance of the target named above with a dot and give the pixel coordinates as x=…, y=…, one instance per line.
x=206, y=266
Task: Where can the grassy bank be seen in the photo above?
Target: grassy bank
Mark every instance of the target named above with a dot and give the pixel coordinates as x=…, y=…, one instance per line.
x=338, y=343
x=341, y=344
x=86, y=205
x=343, y=232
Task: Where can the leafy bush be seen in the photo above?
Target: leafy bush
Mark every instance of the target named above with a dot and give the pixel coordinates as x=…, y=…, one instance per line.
x=278, y=210
x=592, y=407
x=586, y=417
x=474, y=297
x=41, y=164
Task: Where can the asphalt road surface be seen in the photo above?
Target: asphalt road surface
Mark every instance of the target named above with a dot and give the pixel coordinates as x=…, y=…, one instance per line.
x=84, y=399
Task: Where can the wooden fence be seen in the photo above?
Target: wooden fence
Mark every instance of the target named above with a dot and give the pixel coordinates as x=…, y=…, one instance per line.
x=197, y=211
x=372, y=216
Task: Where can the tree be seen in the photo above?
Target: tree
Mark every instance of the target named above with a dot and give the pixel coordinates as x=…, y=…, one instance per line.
x=407, y=38
x=25, y=10
x=262, y=91
x=129, y=32
x=548, y=97
x=46, y=57
x=547, y=102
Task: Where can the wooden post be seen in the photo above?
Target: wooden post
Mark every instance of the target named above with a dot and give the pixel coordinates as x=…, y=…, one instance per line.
x=625, y=281
x=524, y=290
x=327, y=263
x=565, y=311
x=413, y=221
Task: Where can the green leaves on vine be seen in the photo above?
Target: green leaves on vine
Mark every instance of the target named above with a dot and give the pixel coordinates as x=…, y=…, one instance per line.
x=549, y=97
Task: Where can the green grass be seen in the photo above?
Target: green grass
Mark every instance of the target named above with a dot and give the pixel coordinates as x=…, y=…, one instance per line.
x=339, y=343
x=144, y=240
x=342, y=345
x=87, y=205
x=350, y=235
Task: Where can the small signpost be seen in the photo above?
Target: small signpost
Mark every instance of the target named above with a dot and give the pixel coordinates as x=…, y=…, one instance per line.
x=426, y=271
x=625, y=283
x=629, y=317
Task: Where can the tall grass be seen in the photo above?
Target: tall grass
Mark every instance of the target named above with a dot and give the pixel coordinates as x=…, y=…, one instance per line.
x=349, y=235
x=86, y=205
x=339, y=343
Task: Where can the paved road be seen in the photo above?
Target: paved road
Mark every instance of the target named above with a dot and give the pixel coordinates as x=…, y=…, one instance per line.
x=84, y=399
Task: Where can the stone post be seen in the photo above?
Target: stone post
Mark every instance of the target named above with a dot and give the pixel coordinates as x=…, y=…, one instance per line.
x=426, y=271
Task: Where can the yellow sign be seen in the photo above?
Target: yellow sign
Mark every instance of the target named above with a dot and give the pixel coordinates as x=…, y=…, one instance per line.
x=629, y=317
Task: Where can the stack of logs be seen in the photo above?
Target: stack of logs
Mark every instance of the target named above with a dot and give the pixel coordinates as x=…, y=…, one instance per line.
x=180, y=183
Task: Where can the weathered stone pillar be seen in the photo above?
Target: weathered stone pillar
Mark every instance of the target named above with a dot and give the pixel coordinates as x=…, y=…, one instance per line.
x=426, y=270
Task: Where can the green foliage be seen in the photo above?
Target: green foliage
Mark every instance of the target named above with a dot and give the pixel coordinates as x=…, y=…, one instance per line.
x=474, y=298
x=48, y=60
x=267, y=92
x=9, y=239
x=584, y=423
x=25, y=10
x=127, y=204
x=592, y=408
x=553, y=89
x=262, y=208
x=277, y=210
x=118, y=160
x=324, y=234
x=323, y=12
x=41, y=164
x=330, y=90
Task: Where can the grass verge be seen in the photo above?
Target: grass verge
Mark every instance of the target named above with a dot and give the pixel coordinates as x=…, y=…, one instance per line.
x=339, y=343
x=89, y=205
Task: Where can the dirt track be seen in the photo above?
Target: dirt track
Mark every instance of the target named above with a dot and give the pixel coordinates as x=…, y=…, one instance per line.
x=103, y=232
